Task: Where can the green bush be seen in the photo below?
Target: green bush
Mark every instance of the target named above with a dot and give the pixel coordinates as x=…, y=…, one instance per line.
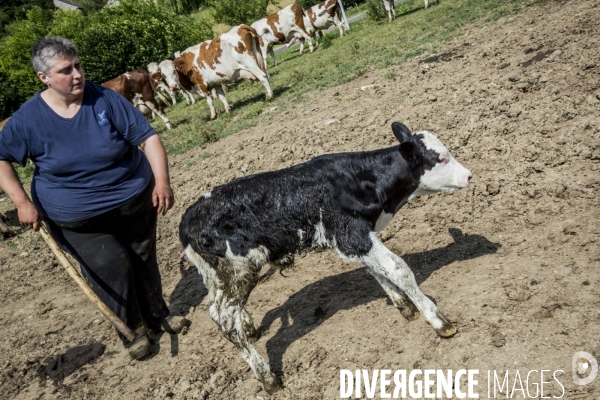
x=235, y=12
x=17, y=78
x=15, y=10
x=376, y=11
x=110, y=42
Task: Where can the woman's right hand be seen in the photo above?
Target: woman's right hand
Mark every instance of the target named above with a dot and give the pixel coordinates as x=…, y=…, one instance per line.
x=9, y=181
x=29, y=215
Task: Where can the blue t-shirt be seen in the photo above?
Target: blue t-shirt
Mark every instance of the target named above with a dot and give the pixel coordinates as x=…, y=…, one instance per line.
x=85, y=165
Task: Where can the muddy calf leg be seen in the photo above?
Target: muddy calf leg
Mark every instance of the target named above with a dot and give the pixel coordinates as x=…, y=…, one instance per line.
x=384, y=262
x=398, y=298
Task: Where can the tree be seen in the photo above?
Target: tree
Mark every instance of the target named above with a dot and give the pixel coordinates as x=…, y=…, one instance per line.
x=15, y=10
x=235, y=12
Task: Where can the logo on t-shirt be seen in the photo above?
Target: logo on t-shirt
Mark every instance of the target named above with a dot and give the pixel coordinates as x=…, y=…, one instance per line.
x=102, y=120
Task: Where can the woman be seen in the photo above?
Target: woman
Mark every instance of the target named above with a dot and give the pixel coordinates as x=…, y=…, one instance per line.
x=97, y=191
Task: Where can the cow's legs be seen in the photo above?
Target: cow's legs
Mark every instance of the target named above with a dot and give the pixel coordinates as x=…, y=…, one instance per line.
x=188, y=96
x=340, y=24
x=154, y=109
x=384, y=262
x=221, y=94
x=389, y=6
x=262, y=77
x=301, y=41
x=173, y=98
x=162, y=98
x=399, y=299
x=272, y=54
x=213, y=112
x=306, y=37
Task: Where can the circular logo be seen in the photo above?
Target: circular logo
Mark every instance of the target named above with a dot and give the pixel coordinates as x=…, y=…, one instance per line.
x=585, y=368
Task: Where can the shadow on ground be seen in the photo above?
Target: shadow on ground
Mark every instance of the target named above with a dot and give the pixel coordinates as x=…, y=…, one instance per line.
x=313, y=304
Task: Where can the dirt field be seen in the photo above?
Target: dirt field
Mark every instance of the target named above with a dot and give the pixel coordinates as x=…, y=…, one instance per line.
x=513, y=261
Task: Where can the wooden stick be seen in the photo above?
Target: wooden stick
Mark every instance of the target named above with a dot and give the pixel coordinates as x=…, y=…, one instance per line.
x=107, y=312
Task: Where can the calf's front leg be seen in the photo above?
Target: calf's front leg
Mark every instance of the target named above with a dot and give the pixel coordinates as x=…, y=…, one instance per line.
x=385, y=263
x=398, y=298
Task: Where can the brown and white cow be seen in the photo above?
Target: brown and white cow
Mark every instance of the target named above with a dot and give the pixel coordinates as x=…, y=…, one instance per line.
x=318, y=18
x=233, y=56
x=280, y=28
x=170, y=75
x=161, y=86
x=137, y=87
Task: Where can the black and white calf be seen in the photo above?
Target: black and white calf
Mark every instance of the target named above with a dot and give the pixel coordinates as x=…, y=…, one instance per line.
x=337, y=201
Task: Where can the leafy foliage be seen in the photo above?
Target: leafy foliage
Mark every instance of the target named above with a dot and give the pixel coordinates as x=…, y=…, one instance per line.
x=235, y=12
x=180, y=6
x=14, y=10
x=91, y=6
x=376, y=11
x=110, y=42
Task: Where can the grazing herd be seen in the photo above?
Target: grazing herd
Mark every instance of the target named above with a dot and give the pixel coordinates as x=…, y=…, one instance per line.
x=206, y=68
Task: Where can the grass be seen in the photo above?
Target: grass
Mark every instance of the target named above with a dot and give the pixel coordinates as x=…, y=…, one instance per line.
x=370, y=45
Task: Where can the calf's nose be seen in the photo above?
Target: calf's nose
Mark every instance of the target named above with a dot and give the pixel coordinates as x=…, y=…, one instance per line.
x=470, y=177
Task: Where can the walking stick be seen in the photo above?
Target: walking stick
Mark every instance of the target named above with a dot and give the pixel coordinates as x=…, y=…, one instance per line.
x=107, y=312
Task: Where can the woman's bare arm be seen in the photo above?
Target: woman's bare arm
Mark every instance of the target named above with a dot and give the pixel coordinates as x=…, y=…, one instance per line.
x=9, y=182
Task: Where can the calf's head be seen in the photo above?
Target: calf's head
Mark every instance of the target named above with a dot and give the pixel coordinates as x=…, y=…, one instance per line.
x=431, y=162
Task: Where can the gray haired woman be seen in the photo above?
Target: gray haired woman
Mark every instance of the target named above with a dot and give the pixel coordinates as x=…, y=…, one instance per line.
x=100, y=180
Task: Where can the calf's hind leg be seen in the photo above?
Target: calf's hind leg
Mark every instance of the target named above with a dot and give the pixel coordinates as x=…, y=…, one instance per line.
x=398, y=298
x=229, y=313
x=384, y=262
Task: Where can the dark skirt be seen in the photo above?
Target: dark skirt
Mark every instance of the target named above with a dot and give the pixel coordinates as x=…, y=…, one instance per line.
x=117, y=254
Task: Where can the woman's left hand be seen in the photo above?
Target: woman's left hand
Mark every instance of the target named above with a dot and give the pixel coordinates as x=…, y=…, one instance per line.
x=162, y=198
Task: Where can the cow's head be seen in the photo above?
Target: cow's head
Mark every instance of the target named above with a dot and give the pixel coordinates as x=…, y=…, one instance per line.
x=429, y=159
x=169, y=73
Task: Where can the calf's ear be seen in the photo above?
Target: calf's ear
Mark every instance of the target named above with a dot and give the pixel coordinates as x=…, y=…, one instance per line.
x=408, y=150
x=401, y=132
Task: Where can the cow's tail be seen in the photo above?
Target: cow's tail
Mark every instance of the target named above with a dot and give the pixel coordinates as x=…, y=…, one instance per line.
x=254, y=36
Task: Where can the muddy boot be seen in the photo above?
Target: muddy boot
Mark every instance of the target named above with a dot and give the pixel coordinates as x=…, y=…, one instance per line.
x=140, y=346
x=175, y=325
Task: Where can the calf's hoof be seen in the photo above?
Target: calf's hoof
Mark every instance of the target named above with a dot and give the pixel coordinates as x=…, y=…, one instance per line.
x=411, y=316
x=445, y=328
x=409, y=311
x=446, y=331
x=442, y=326
x=273, y=385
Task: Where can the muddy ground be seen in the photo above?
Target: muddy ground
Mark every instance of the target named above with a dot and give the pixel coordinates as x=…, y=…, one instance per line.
x=513, y=261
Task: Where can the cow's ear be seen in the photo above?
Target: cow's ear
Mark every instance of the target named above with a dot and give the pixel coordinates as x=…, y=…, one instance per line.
x=178, y=63
x=401, y=132
x=409, y=152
